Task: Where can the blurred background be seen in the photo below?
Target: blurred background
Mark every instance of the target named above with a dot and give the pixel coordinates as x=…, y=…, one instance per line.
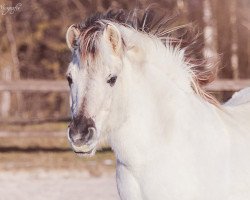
x=35, y=158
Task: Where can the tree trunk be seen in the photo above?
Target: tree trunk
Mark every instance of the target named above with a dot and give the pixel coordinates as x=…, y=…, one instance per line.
x=6, y=95
x=15, y=60
x=243, y=37
x=222, y=13
x=195, y=15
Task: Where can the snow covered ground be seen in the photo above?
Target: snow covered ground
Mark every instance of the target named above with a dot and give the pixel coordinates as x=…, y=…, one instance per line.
x=56, y=185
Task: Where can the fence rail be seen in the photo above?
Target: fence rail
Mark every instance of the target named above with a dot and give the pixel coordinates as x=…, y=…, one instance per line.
x=61, y=86
x=228, y=85
x=32, y=133
x=23, y=121
x=34, y=86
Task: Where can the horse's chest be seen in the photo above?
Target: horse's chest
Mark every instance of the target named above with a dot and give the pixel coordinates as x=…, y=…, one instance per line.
x=147, y=183
x=163, y=182
x=127, y=184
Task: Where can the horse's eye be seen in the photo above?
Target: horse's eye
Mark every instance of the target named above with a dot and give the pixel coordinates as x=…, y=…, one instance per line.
x=112, y=81
x=70, y=81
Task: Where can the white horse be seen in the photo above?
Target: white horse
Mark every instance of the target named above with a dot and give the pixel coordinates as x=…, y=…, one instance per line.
x=132, y=83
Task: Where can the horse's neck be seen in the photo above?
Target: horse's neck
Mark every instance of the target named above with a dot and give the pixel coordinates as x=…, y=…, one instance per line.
x=156, y=115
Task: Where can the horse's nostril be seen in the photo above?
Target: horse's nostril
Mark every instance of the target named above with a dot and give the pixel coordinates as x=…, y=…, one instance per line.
x=91, y=129
x=70, y=134
x=90, y=134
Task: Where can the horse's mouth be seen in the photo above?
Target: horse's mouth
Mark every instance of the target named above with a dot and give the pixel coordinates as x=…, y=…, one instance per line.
x=85, y=153
x=86, y=150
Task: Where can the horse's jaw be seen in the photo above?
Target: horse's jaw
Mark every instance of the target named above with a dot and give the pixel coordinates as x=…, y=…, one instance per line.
x=139, y=132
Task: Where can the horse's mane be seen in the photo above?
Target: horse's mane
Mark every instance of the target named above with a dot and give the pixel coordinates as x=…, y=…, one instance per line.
x=162, y=26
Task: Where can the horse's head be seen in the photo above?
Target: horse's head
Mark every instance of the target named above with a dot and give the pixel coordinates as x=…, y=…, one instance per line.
x=107, y=51
x=93, y=77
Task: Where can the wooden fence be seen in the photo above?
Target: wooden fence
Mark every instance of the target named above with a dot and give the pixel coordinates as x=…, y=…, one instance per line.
x=62, y=86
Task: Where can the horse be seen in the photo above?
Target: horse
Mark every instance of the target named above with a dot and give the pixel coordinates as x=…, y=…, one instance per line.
x=134, y=83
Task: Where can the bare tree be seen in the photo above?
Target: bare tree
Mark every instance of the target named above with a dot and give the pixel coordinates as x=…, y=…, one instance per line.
x=14, y=55
x=13, y=47
x=243, y=37
x=222, y=13
x=195, y=15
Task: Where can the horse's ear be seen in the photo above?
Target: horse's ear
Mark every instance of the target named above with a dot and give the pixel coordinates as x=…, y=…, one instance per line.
x=113, y=36
x=71, y=36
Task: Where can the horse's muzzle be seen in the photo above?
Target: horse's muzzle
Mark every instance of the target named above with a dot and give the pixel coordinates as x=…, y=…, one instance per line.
x=82, y=135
